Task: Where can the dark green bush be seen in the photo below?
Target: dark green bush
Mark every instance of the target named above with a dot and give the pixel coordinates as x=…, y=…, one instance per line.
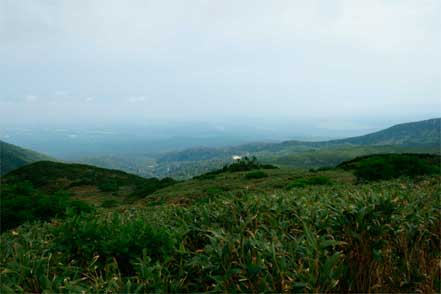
x=390, y=166
x=312, y=181
x=22, y=203
x=244, y=164
x=109, y=203
x=109, y=186
x=85, y=238
x=256, y=175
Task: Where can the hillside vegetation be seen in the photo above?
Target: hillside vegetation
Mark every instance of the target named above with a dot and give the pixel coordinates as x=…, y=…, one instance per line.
x=324, y=230
x=13, y=157
x=85, y=182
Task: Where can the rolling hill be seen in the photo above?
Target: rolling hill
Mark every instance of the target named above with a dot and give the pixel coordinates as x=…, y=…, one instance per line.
x=12, y=157
x=422, y=133
x=414, y=137
x=85, y=182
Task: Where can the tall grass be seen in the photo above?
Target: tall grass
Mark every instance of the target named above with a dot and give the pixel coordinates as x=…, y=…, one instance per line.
x=380, y=237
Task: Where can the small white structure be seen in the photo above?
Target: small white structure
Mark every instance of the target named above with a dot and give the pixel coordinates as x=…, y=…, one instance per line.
x=237, y=157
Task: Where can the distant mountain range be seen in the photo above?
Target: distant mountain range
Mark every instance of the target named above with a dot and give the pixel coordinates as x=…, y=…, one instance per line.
x=13, y=157
x=415, y=137
x=415, y=134
x=422, y=133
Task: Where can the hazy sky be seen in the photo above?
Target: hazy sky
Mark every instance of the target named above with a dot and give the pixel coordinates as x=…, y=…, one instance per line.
x=139, y=60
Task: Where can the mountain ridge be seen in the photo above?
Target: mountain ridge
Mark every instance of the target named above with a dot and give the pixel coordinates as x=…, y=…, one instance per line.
x=13, y=157
x=405, y=134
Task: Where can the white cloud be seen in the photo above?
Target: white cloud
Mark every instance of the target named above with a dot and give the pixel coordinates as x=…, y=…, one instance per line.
x=136, y=99
x=31, y=98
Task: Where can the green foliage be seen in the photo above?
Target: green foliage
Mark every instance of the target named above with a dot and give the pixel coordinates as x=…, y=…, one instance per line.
x=22, y=203
x=54, y=176
x=108, y=186
x=87, y=238
x=389, y=166
x=240, y=236
x=310, y=181
x=376, y=237
x=13, y=157
x=256, y=175
x=109, y=203
x=241, y=165
x=246, y=164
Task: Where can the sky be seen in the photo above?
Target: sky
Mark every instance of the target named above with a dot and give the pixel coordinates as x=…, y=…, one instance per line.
x=335, y=63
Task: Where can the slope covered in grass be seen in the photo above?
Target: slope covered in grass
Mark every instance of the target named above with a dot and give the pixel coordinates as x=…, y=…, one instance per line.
x=290, y=230
x=381, y=237
x=85, y=182
x=388, y=166
x=13, y=157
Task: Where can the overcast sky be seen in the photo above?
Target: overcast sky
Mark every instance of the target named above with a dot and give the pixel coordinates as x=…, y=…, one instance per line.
x=139, y=60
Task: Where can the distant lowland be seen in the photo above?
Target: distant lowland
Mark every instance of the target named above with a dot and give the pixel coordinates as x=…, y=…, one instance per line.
x=413, y=137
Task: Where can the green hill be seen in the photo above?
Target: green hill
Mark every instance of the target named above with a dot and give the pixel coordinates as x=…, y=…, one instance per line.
x=44, y=190
x=12, y=157
x=422, y=133
x=415, y=137
x=92, y=184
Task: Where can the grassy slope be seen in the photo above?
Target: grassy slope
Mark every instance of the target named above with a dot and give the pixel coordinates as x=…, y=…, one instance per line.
x=228, y=233
x=335, y=238
x=85, y=182
x=12, y=157
x=237, y=183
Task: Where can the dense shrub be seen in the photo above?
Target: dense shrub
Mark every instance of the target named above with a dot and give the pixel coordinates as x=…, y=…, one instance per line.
x=87, y=238
x=108, y=186
x=389, y=166
x=109, y=203
x=256, y=175
x=22, y=203
x=244, y=164
x=311, y=181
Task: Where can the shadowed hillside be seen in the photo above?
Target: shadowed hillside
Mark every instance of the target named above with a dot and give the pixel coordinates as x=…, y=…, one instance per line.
x=85, y=182
x=12, y=157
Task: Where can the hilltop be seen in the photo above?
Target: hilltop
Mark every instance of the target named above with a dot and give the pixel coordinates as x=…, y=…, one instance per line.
x=85, y=182
x=12, y=157
x=421, y=133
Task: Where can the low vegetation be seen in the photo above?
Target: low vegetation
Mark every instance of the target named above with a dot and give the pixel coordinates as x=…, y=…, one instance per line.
x=256, y=175
x=22, y=203
x=286, y=231
x=84, y=181
x=390, y=166
x=309, y=181
x=241, y=165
